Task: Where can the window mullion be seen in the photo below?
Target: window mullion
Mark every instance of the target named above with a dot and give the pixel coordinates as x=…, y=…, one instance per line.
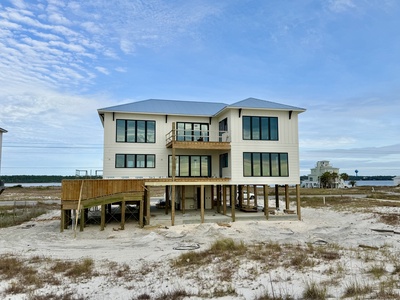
x=126, y=131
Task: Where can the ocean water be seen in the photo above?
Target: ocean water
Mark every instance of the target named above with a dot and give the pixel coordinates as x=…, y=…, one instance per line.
x=374, y=183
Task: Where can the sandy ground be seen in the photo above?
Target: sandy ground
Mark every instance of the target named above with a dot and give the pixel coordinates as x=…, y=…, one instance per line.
x=157, y=245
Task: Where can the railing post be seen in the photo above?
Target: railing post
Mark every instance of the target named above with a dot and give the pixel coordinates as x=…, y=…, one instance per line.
x=173, y=138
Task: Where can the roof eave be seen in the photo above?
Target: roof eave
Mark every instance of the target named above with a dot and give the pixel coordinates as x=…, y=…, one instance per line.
x=100, y=111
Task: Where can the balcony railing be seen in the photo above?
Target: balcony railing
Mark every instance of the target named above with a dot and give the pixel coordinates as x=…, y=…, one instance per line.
x=197, y=136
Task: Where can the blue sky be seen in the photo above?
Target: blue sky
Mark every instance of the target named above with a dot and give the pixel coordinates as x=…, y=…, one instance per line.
x=62, y=60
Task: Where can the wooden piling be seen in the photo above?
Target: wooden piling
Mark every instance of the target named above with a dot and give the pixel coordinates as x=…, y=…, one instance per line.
x=123, y=207
x=202, y=203
x=224, y=199
x=103, y=217
x=286, y=196
x=82, y=221
x=148, y=204
x=218, y=199
x=173, y=205
x=233, y=192
x=298, y=201
x=266, y=202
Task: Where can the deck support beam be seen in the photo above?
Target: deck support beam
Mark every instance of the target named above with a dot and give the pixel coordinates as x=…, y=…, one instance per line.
x=202, y=203
x=166, y=199
x=240, y=196
x=266, y=202
x=82, y=220
x=141, y=213
x=224, y=199
x=103, y=217
x=218, y=199
x=183, y=199
x=148, y=204
x=248, y=196
x=123, y=209
x=233, y=204
x=255, y=196
x=298, y=201
x=276, y=196
x=173, y=205
x=286, y=196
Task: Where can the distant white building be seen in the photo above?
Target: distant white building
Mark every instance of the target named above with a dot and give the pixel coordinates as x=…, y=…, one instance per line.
x=313, y=180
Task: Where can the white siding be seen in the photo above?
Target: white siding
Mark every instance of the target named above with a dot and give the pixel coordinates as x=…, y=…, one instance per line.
x=111, y=147
x=287, y=143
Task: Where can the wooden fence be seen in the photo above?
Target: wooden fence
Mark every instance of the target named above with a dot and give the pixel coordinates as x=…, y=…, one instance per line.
x=73, y=190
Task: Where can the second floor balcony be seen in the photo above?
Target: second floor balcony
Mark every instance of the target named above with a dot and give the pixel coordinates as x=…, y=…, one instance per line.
x=201, y=139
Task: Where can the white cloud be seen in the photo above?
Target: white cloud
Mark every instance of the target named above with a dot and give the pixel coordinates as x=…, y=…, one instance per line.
x=121, y=70
x=59, y=44
x=103, y=70
x=341, y=5
x=18, y=3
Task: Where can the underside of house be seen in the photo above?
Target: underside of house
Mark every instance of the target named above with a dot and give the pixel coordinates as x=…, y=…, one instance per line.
x=168, y=202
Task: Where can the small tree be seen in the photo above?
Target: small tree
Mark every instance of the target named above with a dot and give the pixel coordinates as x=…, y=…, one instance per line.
x=328, y=179
x=325, y=179
x=344, y=176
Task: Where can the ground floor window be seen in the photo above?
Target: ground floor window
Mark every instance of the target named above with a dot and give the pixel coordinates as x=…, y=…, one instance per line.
x=262, y=164
x=135, y=161
x=190, y=166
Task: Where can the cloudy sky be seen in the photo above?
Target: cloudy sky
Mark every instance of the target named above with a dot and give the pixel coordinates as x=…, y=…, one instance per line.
x=62, y=60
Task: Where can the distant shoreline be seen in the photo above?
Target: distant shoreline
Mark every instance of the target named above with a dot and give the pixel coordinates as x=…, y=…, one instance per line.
x=32, y=184
x=49, y=184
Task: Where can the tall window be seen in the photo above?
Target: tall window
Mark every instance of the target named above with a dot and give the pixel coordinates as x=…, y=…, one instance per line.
x=260, y=128
x=135, y=161
x=258, y=164
x=223, y=127
x=136, y=131
x=223, y=160
x=191, y=131
x=191, y=166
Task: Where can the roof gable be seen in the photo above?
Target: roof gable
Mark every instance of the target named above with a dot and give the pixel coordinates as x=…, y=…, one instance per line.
x=263, y=104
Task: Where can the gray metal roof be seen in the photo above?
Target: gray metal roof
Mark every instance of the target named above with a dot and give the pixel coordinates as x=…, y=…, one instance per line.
x=263, y=104
x=169, y=107
x=194, y=108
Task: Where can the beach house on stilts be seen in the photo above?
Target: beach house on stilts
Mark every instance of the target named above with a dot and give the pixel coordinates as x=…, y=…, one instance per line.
x=212, y=161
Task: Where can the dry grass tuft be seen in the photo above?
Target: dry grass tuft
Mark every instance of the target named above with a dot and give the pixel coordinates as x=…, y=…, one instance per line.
x=377, y=271
x=222, y=250
x=175, y=294
x=314, y=291
x=357, y=289
x=389, y=219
